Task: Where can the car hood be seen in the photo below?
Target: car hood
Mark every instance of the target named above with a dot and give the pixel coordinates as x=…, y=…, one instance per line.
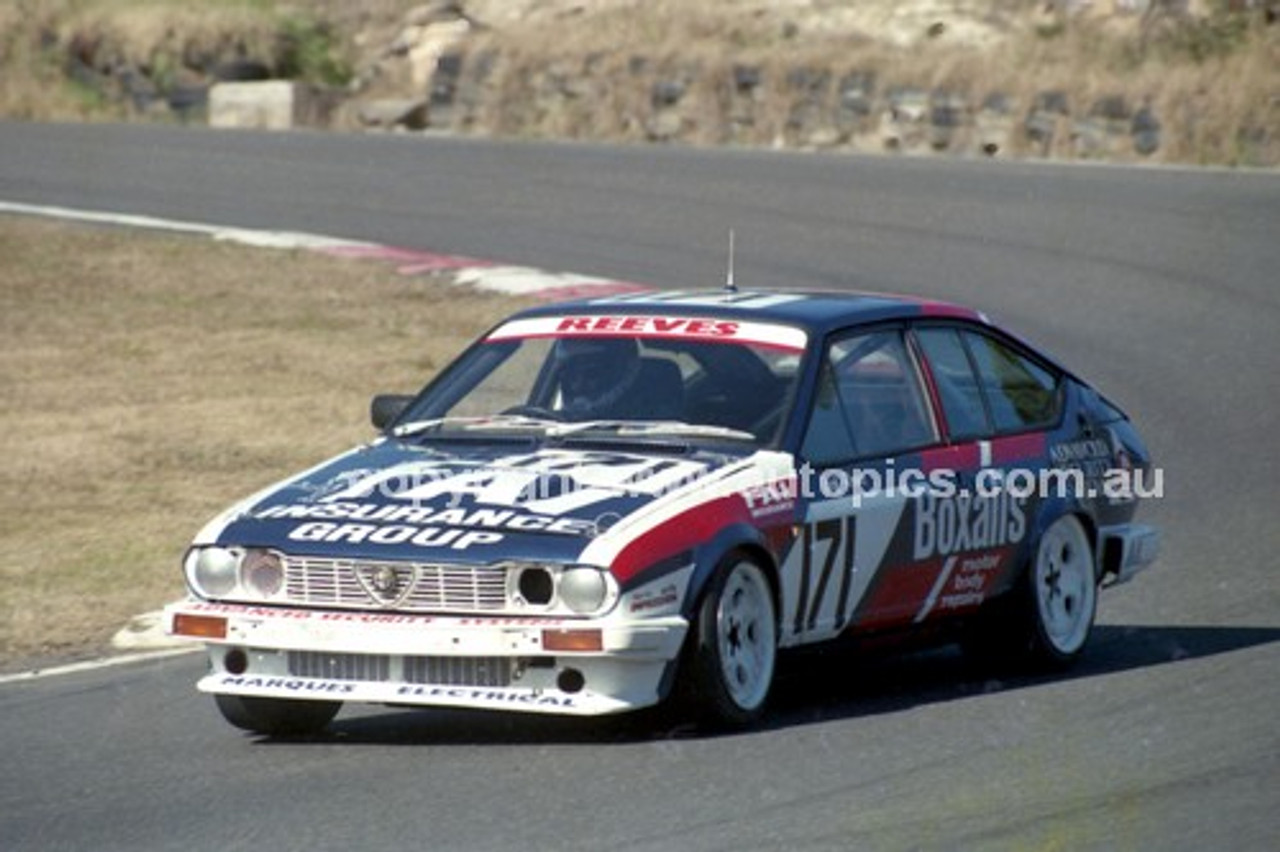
x=461, y=503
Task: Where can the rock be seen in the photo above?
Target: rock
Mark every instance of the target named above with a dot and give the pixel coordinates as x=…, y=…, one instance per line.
x=1102, y=128
x=434, y=13
x=1041, y=126
x=432, y=43
x=137, y=88
x=746, y=79
x=902, y=124
x=265, y=105
x=666, y=93
x=948, y=116
x=190, y=102
x=241, y=70
x=388, y=113
x=993, y=123
x=857, y=88
x=1145, y=131
x=664, y=126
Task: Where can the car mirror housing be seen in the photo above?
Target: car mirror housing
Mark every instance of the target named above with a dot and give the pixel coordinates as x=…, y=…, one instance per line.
x=386, y=408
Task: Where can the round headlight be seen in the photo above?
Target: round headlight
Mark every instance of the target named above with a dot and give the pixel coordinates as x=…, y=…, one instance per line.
x=262, y=572
x=214, y=572
x=583, y=590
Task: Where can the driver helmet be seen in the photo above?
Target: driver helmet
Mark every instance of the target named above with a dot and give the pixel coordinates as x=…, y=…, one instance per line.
x=595, y=374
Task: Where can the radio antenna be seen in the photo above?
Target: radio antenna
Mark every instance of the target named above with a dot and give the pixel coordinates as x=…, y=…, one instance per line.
x=729, y=286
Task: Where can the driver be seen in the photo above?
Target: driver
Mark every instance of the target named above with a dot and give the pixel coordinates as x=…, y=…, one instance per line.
x=595, y=375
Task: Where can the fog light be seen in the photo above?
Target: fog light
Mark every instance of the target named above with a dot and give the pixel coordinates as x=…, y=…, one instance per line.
x=571, y=681
x=236, y=662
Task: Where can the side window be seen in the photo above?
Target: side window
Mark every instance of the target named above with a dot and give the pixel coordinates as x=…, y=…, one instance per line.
x=957, y=386
x=868, y=401
x=1020, y=394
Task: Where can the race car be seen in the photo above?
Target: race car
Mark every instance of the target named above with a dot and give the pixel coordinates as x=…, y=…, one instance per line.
x=605, y=503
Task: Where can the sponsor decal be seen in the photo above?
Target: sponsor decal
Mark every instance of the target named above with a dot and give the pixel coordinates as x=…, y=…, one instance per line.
x=310, y=686
x=646, y=325
x=674, y=326
x=964, y=582
x=551, y=483
x=1094, y=458
x=419, y=516
x=448, y=505
x=964, y=522
x=454, y=539
x=771, y=498
x=370, y=618
x=655, y=599
x=487, y=696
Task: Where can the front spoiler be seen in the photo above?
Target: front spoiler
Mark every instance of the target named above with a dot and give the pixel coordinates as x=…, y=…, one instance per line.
x=369, y=657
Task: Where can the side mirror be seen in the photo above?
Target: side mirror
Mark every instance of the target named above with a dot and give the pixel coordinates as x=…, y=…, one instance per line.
x=386, y=408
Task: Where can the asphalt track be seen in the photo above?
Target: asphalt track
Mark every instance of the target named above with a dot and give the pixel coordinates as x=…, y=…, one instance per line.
x=1163, y=286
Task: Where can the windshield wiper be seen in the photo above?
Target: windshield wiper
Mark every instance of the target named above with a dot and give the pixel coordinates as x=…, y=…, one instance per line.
x=525, y=424
x=452, y=425
x=647, y=428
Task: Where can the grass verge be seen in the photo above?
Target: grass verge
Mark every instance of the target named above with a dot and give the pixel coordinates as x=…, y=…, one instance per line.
x=150, y=380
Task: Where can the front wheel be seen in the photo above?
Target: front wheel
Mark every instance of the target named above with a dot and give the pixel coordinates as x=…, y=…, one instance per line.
x=277, y=716
x=735, y=646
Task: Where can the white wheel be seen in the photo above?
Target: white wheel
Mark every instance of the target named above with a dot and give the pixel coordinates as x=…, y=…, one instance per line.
x=1064, y=589
x=1046, y=619
x=735, y=646
x=746, y=636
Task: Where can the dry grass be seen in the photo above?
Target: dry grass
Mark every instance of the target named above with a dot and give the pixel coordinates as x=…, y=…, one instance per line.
x=151, y=380
x=1214, y=82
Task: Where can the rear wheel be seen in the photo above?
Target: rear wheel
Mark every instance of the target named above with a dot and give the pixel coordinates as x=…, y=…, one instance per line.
x=735, y=646
x=1064, y=591
x=1047, y=618
x=277, y=716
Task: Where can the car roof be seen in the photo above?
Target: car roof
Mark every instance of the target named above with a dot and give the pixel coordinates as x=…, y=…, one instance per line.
x=815, y=311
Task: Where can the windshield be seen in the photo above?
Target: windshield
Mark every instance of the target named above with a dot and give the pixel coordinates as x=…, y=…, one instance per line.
x=628, y=375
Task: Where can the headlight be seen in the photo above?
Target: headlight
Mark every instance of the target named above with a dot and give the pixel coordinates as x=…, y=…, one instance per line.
x=583, y=590
x=262, y=573
x=559, y=589
x=232, y=573
x=213, y=571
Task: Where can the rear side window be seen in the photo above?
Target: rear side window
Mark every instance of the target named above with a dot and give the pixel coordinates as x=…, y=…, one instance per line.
x=1020, y=394
x=958, y=389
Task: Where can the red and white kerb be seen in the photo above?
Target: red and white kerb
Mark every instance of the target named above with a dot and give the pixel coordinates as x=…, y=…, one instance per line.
x=708, y=329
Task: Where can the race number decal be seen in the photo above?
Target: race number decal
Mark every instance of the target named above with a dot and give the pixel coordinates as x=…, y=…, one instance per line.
x=825, y=544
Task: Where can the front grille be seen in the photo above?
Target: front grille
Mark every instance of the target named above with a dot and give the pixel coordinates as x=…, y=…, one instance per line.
x=425, y=671
x=403, y=586
x=458, y=671
x=339, y=666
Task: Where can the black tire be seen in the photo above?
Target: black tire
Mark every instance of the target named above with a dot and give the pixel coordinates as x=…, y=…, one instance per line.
x=733, y=648
x=1046, y=620
x=277, y=717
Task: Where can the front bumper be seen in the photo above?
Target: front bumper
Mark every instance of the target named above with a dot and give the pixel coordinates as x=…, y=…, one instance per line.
x=547, y=665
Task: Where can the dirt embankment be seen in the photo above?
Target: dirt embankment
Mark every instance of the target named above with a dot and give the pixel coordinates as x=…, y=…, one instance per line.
x=1126, y=80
